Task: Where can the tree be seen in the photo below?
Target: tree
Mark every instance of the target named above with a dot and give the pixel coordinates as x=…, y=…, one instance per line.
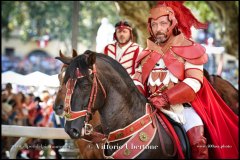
x=227, y=13
x=222, y=13
x=75, y=20
x=34, y=19
x=92, y=13
x=137, y=13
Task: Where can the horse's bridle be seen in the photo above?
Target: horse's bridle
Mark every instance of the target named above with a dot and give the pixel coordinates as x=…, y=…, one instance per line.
x=70, y=85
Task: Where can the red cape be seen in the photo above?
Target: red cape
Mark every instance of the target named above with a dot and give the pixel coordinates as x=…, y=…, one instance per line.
x=221, y=123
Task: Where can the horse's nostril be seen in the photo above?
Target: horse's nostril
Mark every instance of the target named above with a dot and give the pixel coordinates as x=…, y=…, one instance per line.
x=74, y=132
x=60, y=107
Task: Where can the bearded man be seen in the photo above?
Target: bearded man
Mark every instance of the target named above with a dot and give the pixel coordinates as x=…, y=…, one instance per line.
x=170, y=74
x=125, y=51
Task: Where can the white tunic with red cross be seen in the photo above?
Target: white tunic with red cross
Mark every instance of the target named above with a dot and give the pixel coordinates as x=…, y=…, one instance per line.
x=125, y=55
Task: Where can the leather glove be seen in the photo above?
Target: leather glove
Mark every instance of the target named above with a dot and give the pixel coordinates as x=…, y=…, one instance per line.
x=160, y=101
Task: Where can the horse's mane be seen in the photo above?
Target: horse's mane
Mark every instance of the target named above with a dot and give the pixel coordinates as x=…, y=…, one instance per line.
x=117, y=66
x=81, y=63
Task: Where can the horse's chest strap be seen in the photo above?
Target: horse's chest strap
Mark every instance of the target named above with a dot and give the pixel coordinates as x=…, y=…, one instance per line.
x=136, y=144
x=142, y=131
x=132, y=128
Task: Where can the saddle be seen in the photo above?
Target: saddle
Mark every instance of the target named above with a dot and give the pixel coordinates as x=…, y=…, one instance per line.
x=180, y=131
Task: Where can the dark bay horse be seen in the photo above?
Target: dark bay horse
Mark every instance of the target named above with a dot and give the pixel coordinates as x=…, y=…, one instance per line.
x=226, y=90
x=87, y=149
x=96, y=82
x=72, y=127
x=76, y=131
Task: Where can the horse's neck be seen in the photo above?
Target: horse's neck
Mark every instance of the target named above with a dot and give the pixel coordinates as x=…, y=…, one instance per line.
x=124, y=104
x=121, y=110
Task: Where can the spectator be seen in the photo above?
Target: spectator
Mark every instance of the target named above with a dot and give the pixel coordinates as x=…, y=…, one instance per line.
x=7, y=96
x=46, y=104
x=56, y=122
x=39, y=113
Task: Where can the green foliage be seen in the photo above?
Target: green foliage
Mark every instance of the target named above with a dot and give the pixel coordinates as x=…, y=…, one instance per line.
x=12, y=17
x=204, y=14
x=33, y=19
x=53, y=18
x=91, y=14
x=201, y=10
x=237, y=5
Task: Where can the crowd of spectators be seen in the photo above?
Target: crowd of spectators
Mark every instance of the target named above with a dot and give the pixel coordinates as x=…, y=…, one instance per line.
x=26, y=65
x=29, y=110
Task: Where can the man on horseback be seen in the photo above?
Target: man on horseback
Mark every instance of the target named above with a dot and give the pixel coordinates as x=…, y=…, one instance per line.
x=125, y=51
x=170, y=73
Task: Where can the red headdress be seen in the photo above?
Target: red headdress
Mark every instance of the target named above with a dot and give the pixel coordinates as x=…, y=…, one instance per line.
x=180, y=16
x=123, y=25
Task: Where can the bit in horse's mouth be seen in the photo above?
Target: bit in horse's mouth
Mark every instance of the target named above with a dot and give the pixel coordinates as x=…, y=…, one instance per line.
x=82, y=131
x=76, y=134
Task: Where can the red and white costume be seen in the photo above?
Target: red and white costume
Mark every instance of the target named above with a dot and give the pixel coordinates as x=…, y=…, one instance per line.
x=176, y=70
x=126, y=55
x=170, y=68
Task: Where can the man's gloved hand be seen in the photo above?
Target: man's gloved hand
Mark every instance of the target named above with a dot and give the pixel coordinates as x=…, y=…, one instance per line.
x=160, y=101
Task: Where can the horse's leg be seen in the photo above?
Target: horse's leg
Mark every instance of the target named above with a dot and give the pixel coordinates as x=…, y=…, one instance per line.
x=89, y=150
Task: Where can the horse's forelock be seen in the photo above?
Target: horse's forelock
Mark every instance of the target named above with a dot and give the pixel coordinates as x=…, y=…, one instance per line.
x=79, y=62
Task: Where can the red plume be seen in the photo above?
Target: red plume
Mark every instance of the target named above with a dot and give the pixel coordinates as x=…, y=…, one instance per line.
x=184, y=17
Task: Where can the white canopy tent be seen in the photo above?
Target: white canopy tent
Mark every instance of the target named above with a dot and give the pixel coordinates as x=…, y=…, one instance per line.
x=52, y=81
x=12, y=77
x=36, y=79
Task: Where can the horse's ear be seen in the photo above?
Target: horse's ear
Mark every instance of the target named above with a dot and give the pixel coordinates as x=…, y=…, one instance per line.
x=91, y=58
x=74, y=53
x=60, y=53
x=63, y=58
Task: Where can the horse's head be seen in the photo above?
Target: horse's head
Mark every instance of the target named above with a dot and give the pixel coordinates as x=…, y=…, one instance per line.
x=58, y=106
x=84, y=94
x=97, y=82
